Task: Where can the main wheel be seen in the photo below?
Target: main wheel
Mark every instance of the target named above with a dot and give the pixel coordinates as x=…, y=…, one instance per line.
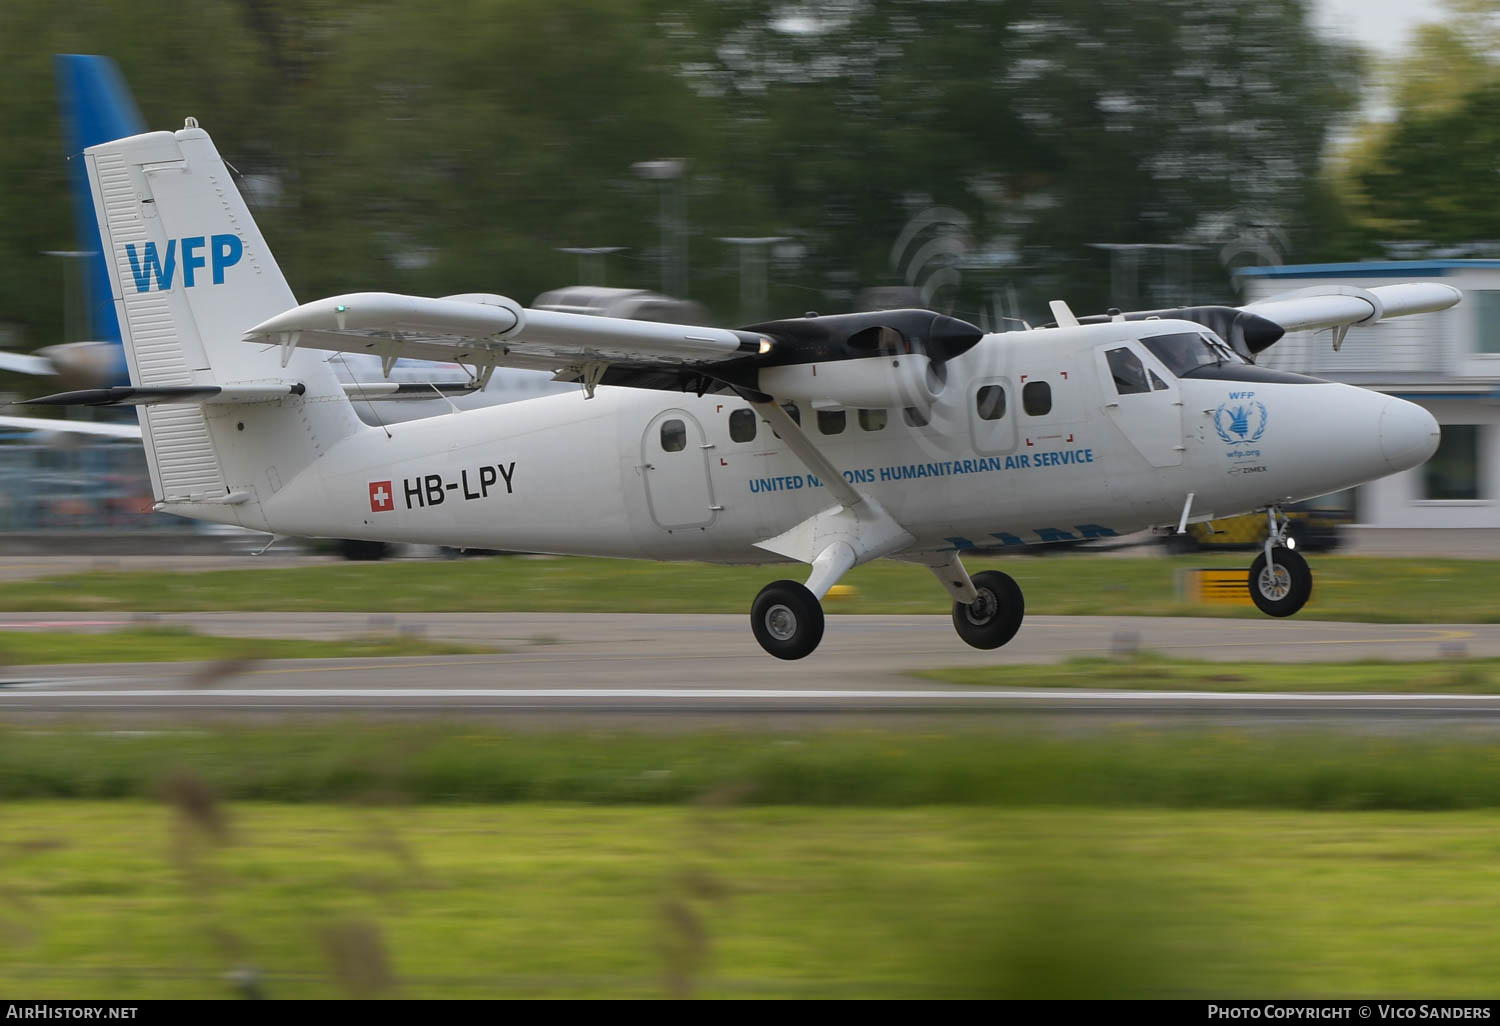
x=1284, y=589
x=354, y=549
x=787, y=620
x=994, y=617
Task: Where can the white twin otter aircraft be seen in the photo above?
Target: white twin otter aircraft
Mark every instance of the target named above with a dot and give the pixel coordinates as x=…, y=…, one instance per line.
x=829, y=441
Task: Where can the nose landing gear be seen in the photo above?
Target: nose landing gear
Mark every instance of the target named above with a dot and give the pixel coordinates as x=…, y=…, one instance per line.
x=1280, y=582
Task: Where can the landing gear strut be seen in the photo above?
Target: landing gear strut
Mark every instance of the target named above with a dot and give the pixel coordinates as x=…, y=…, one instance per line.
x=1280, y=581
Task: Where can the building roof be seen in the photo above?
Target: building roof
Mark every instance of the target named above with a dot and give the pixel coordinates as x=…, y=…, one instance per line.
x=1367, y=269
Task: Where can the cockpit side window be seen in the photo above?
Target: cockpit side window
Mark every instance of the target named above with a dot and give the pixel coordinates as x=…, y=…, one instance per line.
x=1185, y=352
x=1128, y=371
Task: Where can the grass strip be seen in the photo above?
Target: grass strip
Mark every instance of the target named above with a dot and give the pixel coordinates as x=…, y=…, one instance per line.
x=1151, y=672
x=1010, y=766
x=1379, y=590
x=175, y=644
x=194, y=899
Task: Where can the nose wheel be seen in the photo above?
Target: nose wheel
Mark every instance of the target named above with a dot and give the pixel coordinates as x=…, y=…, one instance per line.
x=787, y=620
x=1281, y=585
x=1280, y=582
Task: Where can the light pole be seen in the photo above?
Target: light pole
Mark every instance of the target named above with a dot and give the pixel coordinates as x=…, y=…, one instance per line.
x=590, y=261
x=673, y=230
x=753, y=272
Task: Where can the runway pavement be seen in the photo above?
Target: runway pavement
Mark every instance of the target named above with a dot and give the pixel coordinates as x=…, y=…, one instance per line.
x=586, y=668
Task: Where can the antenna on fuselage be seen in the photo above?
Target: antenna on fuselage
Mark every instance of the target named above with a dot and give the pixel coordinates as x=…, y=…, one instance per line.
x=1062, y=314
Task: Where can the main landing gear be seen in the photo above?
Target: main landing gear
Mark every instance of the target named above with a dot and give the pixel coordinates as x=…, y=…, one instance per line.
x=787, y=620
x=1280, y=581
x=987, y=608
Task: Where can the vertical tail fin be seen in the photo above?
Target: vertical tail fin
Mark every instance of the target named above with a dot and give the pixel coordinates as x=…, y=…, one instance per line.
x=189, y=272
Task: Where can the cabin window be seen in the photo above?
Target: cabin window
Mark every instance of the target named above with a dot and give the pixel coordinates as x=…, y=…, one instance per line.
x=1036, y=398
x=872, y=420
x=673, y=436
x=1129, y=373
x=914, y=416
x=791, y=411
x=989, y=402
x=831, y=422
x=742, y=425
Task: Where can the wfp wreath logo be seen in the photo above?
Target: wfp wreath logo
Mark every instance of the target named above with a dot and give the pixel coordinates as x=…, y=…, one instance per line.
x=1243, y=422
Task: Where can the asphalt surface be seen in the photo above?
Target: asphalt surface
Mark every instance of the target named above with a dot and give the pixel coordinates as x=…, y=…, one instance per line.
x=583, y=669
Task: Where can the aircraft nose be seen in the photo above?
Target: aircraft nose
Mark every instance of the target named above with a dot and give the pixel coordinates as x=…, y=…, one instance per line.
x=1408, y=434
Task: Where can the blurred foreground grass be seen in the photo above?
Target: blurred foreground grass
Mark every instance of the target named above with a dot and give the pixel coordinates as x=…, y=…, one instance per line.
x=189, y=899
x=1347, y=588
x=1150, y=672
x=1006, y=765
x=440, y=861
x=175, y=644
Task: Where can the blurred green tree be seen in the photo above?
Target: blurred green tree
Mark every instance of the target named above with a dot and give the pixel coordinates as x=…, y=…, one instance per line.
x=452, y=148
x=1053, y=123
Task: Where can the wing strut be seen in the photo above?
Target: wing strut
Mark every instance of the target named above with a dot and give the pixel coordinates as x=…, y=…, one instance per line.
x=855, y=531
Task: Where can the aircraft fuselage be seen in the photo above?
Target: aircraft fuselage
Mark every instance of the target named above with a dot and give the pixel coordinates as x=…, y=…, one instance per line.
x=1057, y=453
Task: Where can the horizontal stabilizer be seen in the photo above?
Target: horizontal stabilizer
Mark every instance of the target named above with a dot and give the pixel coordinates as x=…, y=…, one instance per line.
x=125, y=395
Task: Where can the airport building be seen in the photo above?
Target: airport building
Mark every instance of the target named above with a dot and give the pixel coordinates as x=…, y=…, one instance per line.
x=1448, y=362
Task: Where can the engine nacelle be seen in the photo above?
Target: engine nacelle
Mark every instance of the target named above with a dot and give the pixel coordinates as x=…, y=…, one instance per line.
x=872, y=383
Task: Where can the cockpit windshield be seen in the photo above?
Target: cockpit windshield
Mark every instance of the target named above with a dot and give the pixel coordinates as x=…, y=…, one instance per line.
x=1185, y=352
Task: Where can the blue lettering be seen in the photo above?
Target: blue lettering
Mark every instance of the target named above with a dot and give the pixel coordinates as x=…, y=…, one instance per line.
x=1094, y=531
x=1052, y=534
x=1007, y=539
x=190, y=261
x=960, y=544
x=152, y=266
x=227, y=250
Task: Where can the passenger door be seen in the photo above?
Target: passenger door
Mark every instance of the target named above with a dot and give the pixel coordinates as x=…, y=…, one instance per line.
x=674, y=463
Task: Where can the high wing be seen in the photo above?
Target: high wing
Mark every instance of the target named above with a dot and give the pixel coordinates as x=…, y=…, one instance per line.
x=1343, y=306
x=483, y=331
x=1256, y=327
x=779, y=358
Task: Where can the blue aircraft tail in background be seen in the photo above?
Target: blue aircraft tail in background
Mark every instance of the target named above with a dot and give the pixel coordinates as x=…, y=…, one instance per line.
x=96, y=107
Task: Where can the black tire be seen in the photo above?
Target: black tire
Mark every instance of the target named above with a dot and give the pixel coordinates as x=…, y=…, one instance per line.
x=351, y=548
x=787, y=620
x=995, y=617
x=1285, y=592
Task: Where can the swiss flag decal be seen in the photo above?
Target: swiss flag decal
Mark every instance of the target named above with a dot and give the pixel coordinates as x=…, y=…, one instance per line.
x=381, y=497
